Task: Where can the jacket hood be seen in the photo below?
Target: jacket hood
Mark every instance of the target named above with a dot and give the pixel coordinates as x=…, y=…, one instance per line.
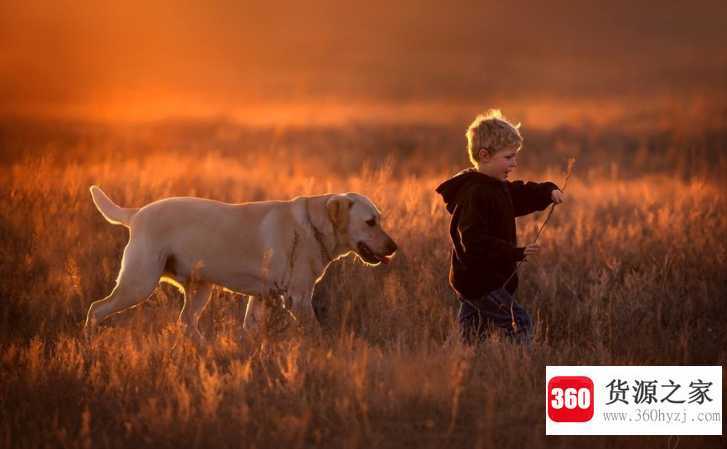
x=450, y=188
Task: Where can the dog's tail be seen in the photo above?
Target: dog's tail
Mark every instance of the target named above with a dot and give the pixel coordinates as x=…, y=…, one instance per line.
x=112, y=212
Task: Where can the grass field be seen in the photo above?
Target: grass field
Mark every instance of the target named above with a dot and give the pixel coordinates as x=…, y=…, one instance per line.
x=632, y=271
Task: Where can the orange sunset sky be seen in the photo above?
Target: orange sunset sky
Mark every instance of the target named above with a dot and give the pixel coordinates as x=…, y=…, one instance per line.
x=315, y=60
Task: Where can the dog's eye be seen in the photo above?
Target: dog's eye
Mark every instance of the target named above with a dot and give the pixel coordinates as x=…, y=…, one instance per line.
x=371, y=222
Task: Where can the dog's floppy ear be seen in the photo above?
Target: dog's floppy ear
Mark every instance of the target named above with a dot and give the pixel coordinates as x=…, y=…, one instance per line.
x=338, y=207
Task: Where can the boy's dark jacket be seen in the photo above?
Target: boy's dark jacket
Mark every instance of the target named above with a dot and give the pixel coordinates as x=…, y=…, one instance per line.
x=483, y=228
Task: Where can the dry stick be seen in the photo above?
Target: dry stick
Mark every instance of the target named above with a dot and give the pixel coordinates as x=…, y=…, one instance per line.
x=571, y=162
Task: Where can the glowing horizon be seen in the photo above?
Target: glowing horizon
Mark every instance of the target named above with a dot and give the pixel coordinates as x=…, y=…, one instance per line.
x=329, y=63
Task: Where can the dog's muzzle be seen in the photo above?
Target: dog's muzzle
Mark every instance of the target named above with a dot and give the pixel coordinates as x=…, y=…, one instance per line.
x=369, y=256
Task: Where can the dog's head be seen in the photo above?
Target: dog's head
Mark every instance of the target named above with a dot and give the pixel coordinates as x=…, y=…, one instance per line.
x=358, y=224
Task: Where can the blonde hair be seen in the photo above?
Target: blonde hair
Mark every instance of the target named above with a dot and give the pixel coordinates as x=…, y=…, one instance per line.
x=491, y=131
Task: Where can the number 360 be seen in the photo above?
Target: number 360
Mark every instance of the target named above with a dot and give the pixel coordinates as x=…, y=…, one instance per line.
x=570, y=398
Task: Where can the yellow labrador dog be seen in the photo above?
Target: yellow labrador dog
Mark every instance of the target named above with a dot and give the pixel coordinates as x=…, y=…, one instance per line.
x=268, y=249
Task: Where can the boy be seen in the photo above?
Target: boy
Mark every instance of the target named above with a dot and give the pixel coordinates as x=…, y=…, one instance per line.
x=484, y=204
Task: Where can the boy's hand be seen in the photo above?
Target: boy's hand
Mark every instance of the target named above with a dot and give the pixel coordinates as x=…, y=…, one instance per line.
x=557, y=196
x=531, y=249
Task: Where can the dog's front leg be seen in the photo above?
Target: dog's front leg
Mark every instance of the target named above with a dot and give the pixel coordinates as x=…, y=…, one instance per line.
x=301, y=306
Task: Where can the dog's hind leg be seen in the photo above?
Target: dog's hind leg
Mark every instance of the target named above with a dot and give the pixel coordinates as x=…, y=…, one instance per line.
x=139, y=275
x=196, y=298
x=254, y=314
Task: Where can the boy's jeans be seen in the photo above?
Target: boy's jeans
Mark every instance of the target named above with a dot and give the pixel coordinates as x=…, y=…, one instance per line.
x=497, y=309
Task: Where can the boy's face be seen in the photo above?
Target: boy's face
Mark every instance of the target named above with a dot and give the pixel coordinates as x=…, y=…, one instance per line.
x=498, y=165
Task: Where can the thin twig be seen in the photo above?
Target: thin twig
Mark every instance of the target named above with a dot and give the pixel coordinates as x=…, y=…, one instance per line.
x=571, y=162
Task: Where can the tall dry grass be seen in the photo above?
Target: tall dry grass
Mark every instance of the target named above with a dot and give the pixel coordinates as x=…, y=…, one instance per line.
x=631, y=272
